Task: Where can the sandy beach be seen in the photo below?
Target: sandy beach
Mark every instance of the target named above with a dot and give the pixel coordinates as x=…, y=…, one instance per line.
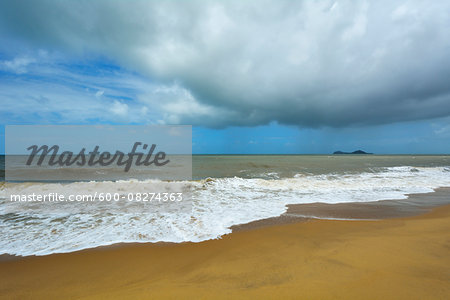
x=400, y=258
x=224, y=150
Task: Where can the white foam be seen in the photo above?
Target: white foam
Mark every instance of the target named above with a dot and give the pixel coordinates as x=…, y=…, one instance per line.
x=217, y=204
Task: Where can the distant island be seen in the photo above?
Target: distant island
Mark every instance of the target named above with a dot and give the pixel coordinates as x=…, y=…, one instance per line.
x=354, y=152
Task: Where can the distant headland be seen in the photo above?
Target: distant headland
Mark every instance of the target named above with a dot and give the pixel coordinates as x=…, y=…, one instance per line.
x=354, y=152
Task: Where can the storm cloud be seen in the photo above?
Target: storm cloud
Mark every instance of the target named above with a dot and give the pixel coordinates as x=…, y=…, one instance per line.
x=246, y=63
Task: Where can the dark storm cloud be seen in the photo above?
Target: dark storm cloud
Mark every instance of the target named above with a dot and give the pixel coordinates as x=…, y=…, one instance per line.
x=308, y=63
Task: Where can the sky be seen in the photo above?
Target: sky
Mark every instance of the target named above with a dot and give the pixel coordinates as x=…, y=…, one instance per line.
x=276, y=76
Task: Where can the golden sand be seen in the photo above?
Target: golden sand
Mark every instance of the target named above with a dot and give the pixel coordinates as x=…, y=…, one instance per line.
x=391, y=259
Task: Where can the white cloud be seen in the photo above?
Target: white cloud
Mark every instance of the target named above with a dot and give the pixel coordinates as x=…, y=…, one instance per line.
x=54, y=93
x=309, y=63
x=18, y=65
x=57, y=93
x=120, y=109
x=98, y=94
x=359, y=26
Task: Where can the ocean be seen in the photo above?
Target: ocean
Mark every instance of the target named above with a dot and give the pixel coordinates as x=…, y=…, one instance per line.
x=225, y=190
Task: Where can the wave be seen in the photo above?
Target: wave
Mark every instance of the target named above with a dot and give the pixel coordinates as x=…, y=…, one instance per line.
x=216, y=204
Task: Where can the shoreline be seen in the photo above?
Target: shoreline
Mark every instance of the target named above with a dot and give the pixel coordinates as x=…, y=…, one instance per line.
x=413, y=205
x=401, y=258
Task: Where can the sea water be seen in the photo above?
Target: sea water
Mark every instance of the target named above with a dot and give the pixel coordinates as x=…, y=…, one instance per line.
x=226, y=190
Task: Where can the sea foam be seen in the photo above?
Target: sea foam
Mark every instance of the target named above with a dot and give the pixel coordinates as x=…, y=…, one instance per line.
x=216, y=205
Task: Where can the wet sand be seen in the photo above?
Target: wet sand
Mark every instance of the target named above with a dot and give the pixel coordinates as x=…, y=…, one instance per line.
x=397, y=258
x=413, y=205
